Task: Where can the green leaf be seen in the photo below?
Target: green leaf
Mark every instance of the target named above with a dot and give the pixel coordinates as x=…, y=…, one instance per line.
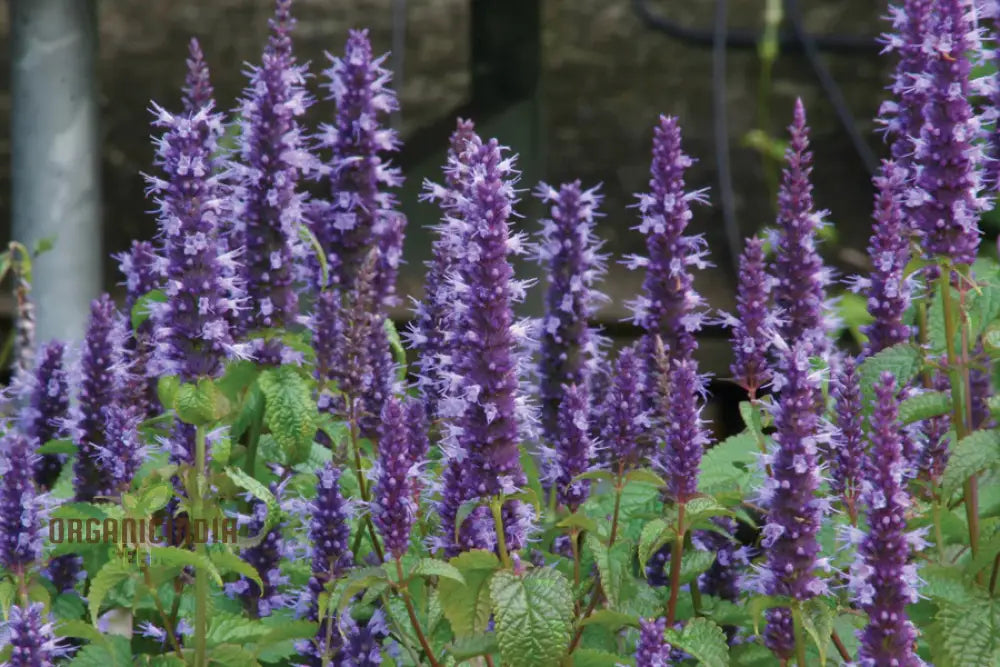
x=432, y=567
x=613, y=565
x=693, y=563
x=80, y=630
x=358, y=581
x=166, y=390
x=260, y=492
x=200, y=403
x=68, y=606
x=177, y=557
x=704, y=640
x=306, y=235
x=465, y=648
x=232, y=655
x=924, y=406
x=646, y=477
x=226, y=628
x=611, y=619
x=701, y=508
x=114, y=651
x=725, y=465
x=155, y=497
x=290, y=411
x=113, y=573
x=654, y=535
x=227, y=561
x=591, y=657
x=140, y=311
x=971, y=633
x=976, y=451
x=467, y=606
x=398, y=351
x=578, y=520
x=288, y=630
x=595, y=475
x=817, y=619
x=902, y=360
x=251, y=411
x=534, y=616
x=59, y=446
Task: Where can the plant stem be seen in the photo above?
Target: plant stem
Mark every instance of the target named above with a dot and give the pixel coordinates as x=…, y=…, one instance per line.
x=362, y=482
x=201, y=576
x=496, y=507
x=800, y=643
x=168, y=626
x=993, y=575
x=938, y=533
x=841, y=649
x=253, y=440
x=695, y=591
x=414, y=621
x=619, y=487
x=676, y=553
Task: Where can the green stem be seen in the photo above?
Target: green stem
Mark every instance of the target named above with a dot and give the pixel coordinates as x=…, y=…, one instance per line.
x=414, y=621
x=938, y=533
x=800, y=639
x=619, y=487
x=168, y=626
x=676, y=553
x=362, y=482
x=253, y=439
x=496, y=506
x=695, y=591
x=201, y=576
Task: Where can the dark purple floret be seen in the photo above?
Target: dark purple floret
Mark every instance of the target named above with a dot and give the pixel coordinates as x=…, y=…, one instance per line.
x=934, y=454
x=20, y=520
x=779, y=635
x=887, y=287
x=393, y=507
x=197, y=91
x=330, y=534
x=882, y=579
x=686, y=437
x=949, y=158
x=364, y=643
x=266, y=559
x=800, y=289
x=725, y=576
x=652, y=649
x=574, y=447
x=123, y=452
x=273, y=157
x=847, y=460
x=626, y=422
x=359, y=174
x=101, y=384
x=755, y=324
x=44, y=416
x=144, y=272
x=31, y=637
x=981, y=386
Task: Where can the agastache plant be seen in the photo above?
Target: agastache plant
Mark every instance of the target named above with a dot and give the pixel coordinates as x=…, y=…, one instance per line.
x=20, y=522
x=197, y=91
x=46, y=409
x=755, y=322
x=30, y=635
x=400, y=457
x=848, y=456
x=144, y=271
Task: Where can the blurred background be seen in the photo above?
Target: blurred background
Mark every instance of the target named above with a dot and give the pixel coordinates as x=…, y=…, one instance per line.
x=573, y=86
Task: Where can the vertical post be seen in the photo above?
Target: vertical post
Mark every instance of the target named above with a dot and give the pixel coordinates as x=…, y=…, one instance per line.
x=55, y=156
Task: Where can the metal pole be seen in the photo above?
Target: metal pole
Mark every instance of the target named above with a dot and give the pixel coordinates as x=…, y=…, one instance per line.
x=55, y=156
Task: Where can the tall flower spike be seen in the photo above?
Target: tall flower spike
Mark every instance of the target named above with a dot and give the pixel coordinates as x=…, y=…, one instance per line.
x=883, y=580
x=123, y=452
x=431, y=335
x=266, y=559
x=31, y=637
x=20, y=521
x=574, y=447
x=800, y=289
x=936, y=449
x=490, y=412
x=144, y=272
x=194, y=325
x=393, y=507
x=652, y=649
x=101, y=385
x=889, y=249
x=626, y=421
x=686, y=437
x=794, y=511
x=197, y=91
x=949, y=177
x=847, y=461
x=569, y=250
x=755, y=323
x=272, y=158
x=44, y=416
x=358, y=172
x=669, y=307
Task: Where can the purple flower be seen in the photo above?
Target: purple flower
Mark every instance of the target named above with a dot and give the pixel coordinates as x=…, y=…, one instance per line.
x=779, y=635
x=102, y=380
x=482, y=448
x=44, y=416
x=934, y=455
x=847, y=462
x=273, y=156
x=123, y=452
x=431, y=334
x=625, y=420
x=800, y=289
x=364, y=643
x=686, y=437
x=329, y=533
x=197, y=91
x=725, y=576
x=144, y=271
x=31, y=637
x=652, y=649
x=20, y=521
x=981, y=386
x=194, y=325
x=393, y=506
x=266, y=559
x=889, y=249
x=794, y=511
x=883, y=580
x=346, y=227
x=755, y=322
x=574, y=447
x=949, y=158
x=569, y=250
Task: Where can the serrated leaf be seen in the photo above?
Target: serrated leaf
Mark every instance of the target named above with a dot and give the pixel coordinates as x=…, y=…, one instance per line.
x=358, y=581
x=467, y=606
x=817, y=620
x=261, y=493
x=155, y=497
x=613, y=566
x=79, y=629
x=534, y=616
x=113, y=573
x=654, y=535
x=465, y=648
x=59, y=446
x=971, y=632
x=233, y=628
x=646, y=477
x=68, y=606
x=177, y=557
x=288, y=630
x=232, y=655
x=592, y=657
x=251, y=411
x=725, y=465
x=924, y=406
x=611, y=619
x=578, y=520
x=701, y=508
x=226, y=561
x=432, y=567
x=114, y=651
x=703, y=640
x=902, y=360
x=289, y=411
x=199, y=404
x=971, y=454
x=693, y=563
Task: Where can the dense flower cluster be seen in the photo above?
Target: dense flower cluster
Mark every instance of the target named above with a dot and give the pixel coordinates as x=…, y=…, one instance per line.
x=29, y=633
x=44, y=415
x=402, y=447
x=755, y=323
x=20, y=520
x=847, y=458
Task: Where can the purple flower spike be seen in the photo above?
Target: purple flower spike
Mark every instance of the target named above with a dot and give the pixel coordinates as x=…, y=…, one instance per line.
x=686, y=437
x=800, y=289
x=483, y=448
x=669, y=307
x=883, y=580
x=794, y=511
x=330, y=535
x=779, y=635
x=625, y=420
x=573, y=446
x=847, y=463
x=981, y=386
x=755, y=322
x=358, y=173
x=935, y=453
x=393, y=507
x=197, y=83
x=20, y=523
x=31, y=637
x=101, y=385
x=364, y=644
x=194, y=325
x=569, y=250
x=272, y=158
x=266, y=559
x=123, y=452
x=144, y=272
x=889, y=249
x=949, y=177
x=44, y=416
x=652, y=649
